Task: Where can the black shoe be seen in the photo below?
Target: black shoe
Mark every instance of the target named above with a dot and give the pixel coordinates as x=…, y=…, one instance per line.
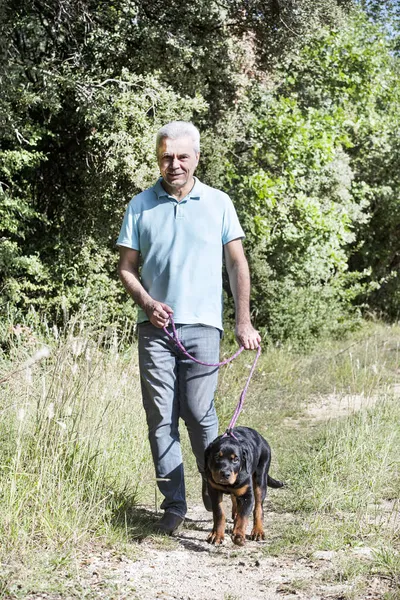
x=206, y=497
x=169, y=523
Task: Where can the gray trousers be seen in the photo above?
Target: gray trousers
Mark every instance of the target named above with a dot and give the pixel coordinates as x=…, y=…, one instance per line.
x=173, y=387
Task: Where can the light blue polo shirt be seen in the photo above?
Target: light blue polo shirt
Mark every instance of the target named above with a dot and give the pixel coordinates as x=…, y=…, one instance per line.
x=181, y=246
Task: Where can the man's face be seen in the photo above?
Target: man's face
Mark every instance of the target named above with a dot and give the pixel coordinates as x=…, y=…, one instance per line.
x=177, y=161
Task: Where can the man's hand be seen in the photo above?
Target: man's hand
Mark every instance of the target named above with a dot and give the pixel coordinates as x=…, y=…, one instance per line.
x=158, y=313
x=247, y=336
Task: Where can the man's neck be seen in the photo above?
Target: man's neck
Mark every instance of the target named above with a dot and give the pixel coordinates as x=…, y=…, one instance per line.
x=181, y=192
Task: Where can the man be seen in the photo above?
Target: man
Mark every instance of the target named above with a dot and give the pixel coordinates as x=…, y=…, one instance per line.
x=179, y=229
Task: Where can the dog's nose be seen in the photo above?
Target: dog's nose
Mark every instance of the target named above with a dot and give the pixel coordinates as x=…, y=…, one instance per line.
x=225, y=474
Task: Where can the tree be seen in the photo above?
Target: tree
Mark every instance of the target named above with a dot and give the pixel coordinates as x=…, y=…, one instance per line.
x=86, y=84
x=316, y=180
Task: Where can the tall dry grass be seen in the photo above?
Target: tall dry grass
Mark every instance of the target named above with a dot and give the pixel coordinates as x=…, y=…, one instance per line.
x=73, y=437
x=75, y=461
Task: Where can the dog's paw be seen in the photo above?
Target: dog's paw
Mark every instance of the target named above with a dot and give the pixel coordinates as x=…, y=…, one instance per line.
x=238, y=539
x=257, y=534
x=215, y=538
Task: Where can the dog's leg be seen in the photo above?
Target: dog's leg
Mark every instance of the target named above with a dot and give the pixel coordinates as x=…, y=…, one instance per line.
x=234, y=508
x=258, y=514
x=244, y=505
x=217, y=534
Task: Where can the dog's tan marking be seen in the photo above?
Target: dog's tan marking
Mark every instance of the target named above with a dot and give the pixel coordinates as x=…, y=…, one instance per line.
x=257, y=532
x=239, y=530
x=240, y=491
x=217, y=486
x=216, y=478
x=217, y=534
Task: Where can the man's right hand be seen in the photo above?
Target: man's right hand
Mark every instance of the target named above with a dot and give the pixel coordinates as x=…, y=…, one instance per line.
x=158, y=313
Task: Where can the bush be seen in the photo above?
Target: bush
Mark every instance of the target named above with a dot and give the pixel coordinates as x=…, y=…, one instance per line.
x=312, y=185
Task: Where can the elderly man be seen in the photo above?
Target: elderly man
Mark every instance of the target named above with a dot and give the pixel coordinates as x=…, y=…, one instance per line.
x=180, y=229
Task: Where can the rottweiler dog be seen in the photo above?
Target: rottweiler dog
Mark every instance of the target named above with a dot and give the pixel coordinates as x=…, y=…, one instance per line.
x=238, y=464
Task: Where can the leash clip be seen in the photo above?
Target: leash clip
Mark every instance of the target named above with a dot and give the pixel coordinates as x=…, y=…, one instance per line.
x=229, y=431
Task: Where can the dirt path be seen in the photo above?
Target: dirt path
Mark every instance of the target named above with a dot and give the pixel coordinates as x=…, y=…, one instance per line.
x=186, y=567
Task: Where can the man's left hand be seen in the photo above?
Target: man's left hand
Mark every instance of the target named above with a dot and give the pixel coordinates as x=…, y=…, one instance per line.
x=247, y=336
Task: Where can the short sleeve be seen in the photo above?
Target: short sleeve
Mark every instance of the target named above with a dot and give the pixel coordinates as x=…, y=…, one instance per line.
x=129, y=234
x=231, y=228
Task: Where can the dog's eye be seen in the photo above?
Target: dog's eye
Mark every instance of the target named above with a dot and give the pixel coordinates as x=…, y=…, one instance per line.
x=235, y=459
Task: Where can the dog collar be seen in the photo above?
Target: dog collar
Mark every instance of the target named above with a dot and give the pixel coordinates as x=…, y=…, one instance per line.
x=229, y=431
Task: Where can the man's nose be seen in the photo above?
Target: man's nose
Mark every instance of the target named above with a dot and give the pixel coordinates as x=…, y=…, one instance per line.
x=175, y=163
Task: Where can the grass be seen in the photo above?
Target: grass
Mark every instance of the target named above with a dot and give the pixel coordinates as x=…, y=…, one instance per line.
x=75, y=467
x=73, y=444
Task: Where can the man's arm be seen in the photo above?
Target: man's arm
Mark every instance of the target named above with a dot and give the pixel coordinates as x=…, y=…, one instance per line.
x=239, y=279
x=128, y=270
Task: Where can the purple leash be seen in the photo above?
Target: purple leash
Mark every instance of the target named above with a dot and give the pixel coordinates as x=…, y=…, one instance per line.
x=175, y=339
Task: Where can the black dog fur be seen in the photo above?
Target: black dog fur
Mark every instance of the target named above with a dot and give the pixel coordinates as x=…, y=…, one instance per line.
x=238, y=466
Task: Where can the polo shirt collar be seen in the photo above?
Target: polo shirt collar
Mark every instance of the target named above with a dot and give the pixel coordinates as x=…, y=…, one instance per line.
x=194, y=194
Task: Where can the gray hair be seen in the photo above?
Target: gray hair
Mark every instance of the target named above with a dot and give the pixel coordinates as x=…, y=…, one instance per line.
x=177, y=129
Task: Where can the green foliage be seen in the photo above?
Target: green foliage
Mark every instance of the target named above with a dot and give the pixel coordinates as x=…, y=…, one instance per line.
x=280, y=28
x=294, y=200
x=387, y=14
x=308, y=184
x=355, y=70
x=78, y=144
x=310, y=151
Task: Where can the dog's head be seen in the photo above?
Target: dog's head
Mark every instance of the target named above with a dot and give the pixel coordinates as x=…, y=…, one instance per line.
x=225, y=458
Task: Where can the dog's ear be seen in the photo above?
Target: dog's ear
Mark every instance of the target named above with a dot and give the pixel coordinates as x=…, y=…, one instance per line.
x=244, y=463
